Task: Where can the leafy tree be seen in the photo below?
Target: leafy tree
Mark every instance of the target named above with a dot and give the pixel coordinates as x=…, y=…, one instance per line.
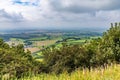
x=111, y=41
x=67, y=58
x=15, y=61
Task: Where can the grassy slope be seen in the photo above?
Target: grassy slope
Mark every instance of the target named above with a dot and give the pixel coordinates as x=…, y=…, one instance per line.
x=111, y=73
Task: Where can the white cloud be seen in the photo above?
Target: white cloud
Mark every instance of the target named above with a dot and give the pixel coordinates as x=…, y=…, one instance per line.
x=58, y=13
x=79, y=6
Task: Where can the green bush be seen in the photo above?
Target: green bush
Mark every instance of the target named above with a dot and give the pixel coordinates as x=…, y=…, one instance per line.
x=67, y=58
x=97, y=52
x=15, y=61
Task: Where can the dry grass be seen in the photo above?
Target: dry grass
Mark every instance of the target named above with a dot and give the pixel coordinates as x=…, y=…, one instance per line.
x=111, y=73
x=32, y=49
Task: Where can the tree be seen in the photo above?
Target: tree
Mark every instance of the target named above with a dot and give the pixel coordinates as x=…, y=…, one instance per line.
x=67, y=58
x=15, y=61
x=111, y=41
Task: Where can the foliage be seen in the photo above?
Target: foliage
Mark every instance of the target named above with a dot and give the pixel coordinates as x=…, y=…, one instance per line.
x=15, y=61
x=111, y=43
x=65, y=58
x=94, y=53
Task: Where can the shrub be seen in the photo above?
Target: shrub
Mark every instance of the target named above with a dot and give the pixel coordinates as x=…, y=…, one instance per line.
x=15, y=61
x=94, y=53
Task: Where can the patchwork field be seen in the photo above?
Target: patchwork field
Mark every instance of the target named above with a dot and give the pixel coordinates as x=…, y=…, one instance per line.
x=44, y=43
x=32, y=49
x=36, y=44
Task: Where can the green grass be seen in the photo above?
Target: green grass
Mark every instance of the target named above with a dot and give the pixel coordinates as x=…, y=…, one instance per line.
x=77, y=41
x=38, y=39
x=111, y=73
x=95, y=37
x=16, y=39
x=72, y=41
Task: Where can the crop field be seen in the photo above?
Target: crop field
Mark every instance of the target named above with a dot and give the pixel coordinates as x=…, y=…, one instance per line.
x=32, y=49
x=44, y=43
x=38, y=39
x=48, y=43
x=76, y=41
x=37, y=42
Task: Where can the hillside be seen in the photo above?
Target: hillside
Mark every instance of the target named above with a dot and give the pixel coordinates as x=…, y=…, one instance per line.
x=95, y=59
x=111, y=73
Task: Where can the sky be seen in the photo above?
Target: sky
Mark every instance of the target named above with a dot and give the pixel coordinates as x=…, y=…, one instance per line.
x=58, y=14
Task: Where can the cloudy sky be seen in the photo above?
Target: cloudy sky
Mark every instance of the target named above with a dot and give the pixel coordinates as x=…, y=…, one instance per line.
x=23, y=14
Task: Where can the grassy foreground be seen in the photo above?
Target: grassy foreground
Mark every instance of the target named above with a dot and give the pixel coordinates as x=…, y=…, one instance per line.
x=111, y=73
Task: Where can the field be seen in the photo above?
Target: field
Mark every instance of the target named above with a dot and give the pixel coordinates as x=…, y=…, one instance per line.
x=111, y=73
x=49, y=43
x=32, y=49
x=40, y=43
x=35, y=41
x=38, y=40
x=44, y=43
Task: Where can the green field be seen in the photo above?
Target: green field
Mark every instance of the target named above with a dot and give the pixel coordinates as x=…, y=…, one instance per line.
x=49, y=43
x=38, y=39
x=42, y=42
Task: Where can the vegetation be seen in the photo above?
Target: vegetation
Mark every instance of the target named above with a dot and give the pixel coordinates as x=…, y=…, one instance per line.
x=14, y=61
x=65, y=60
x=111, y=73
x=98, y=52
x=35, y=40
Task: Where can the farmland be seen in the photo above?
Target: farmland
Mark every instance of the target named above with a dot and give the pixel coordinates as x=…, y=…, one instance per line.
x=36, y=40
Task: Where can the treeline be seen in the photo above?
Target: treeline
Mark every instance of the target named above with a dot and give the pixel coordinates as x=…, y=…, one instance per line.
x=95, y=53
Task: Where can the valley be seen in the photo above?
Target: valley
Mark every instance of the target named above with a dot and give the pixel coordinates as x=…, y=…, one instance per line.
x=38, y=40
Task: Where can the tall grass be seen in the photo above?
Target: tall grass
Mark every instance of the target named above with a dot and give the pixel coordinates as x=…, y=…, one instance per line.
x=111, y=73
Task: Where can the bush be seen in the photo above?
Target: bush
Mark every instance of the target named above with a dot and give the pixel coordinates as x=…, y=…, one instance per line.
x=97, y=52
x=15, y=61
x=67, y=58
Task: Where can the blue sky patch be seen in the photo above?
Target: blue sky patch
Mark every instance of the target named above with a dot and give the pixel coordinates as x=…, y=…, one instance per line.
x=24, y=3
